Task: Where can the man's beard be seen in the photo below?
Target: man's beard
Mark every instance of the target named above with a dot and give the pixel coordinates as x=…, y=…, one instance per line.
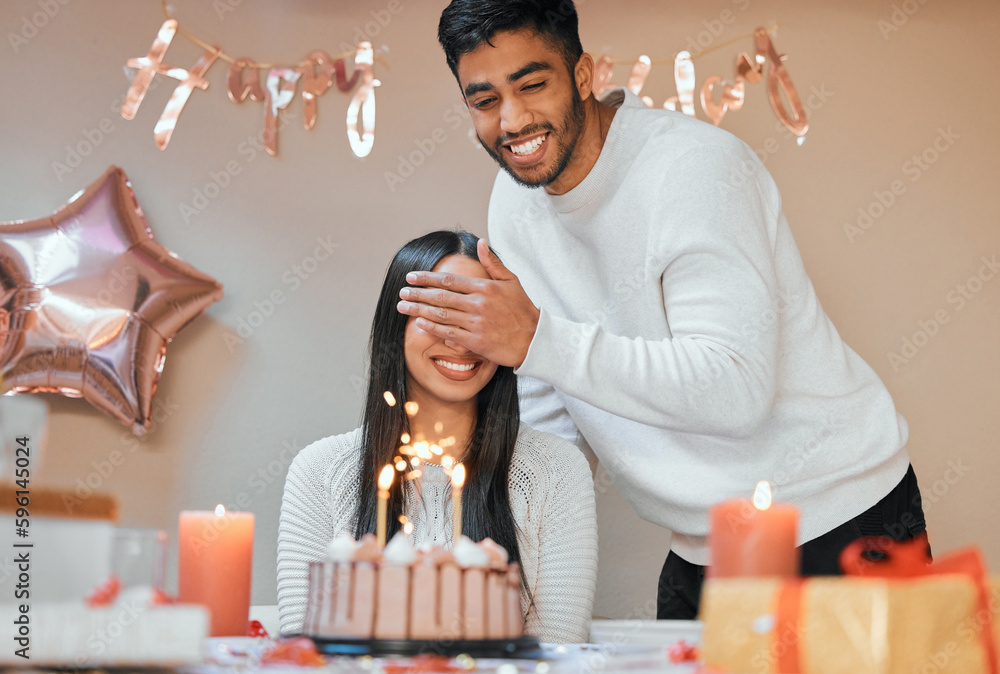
x=572, y=128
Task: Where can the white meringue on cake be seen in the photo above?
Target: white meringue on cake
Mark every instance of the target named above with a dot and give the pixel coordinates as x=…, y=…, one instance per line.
x=468, y=554
x=399, y=551
x=341, y=548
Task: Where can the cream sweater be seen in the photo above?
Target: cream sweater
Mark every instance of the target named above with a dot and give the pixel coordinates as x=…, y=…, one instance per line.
x=552, y=499
x=681, y=338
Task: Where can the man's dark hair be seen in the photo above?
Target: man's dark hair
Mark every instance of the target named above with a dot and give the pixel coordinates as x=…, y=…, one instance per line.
x=466, y=24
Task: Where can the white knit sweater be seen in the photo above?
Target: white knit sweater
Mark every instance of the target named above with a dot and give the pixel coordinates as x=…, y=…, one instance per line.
x=552, y=499
x=680, y=334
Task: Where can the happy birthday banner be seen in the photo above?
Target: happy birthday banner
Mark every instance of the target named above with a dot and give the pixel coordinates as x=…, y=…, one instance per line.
x=318, y=72
x=731, y=94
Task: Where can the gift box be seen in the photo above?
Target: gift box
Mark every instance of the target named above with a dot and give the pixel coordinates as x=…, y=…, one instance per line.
x=894, y=617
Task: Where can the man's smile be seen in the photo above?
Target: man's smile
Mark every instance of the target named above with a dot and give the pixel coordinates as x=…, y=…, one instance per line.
x=523, y=146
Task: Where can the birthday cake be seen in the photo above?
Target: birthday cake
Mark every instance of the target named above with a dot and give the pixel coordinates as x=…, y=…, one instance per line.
x=360, y=592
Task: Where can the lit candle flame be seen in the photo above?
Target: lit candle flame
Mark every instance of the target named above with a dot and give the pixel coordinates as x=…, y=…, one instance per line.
x=219, y=510
x=762, y=495
x=385, y=478
x=411, y=408
x=389, y=398
x=458, y=476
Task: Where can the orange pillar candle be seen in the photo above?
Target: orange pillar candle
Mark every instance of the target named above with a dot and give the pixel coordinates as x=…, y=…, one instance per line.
x=215, y=566
x=755, y=538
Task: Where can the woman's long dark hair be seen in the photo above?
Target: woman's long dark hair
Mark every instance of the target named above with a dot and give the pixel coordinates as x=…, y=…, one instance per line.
x=485, y=497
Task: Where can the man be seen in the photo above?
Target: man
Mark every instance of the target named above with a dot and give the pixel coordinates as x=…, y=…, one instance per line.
x=671, y=325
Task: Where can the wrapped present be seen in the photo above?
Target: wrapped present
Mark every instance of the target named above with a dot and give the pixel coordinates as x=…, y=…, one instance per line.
x=888, y=617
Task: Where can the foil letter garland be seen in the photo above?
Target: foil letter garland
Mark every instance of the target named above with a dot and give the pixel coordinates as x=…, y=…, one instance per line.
x=168, y=120
x=314, y=86
x=684, y=81
x=239, y=87
x=279, y=93
x=148, y=66
x=362, y=107
x=778, y=80
x=779, y=84
x=318, y=72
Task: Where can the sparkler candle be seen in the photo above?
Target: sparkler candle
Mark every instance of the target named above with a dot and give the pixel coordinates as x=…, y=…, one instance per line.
x=754, y=539
x=384, y=482
x=457, y=481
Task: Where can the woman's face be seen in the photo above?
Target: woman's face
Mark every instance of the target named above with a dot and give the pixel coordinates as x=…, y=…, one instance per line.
x=440, y=372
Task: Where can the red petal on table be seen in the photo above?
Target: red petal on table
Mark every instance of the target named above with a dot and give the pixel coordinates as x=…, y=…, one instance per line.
x=300, y=651
x=161, y=598
x=255, y=629
x=682, y=651
x=105, y=593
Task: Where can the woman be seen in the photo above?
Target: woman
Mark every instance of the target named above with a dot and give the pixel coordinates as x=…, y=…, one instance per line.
x=531, y=492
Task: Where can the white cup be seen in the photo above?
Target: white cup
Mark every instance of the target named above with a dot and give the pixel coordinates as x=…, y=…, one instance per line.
x=139, y=557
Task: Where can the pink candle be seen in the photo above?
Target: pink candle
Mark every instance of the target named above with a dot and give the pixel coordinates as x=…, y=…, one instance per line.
x=753, y=538
x=215, y=563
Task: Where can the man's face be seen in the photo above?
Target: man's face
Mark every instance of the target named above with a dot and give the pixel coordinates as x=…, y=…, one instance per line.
x=525, y=105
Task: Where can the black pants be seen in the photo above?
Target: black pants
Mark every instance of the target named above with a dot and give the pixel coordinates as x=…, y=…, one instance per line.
x=899, y=516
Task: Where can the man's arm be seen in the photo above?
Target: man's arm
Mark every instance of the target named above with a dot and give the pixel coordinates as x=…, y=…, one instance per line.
x=716, y=372
x=542, y=409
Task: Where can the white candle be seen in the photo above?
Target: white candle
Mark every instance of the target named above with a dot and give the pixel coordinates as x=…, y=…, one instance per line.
x=384, y=482
x=457, y=481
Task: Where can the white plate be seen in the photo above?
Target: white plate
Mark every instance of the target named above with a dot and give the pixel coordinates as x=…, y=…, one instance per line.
x=645, y=632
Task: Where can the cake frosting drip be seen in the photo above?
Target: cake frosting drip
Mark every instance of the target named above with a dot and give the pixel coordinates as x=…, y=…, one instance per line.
x=364, y=592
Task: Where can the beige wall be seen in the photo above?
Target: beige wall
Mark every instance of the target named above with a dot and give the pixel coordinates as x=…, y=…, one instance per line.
x=225, y=415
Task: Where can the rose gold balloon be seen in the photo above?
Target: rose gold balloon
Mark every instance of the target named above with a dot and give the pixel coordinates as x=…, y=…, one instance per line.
x=175, y=106
x=89, y=301
x=239, y=87
x=281, y=84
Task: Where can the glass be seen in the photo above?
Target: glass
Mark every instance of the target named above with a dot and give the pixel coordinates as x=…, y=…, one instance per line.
x=139, y=557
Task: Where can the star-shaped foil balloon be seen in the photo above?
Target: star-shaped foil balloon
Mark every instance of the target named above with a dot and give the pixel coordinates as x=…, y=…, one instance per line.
x=89, y=301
